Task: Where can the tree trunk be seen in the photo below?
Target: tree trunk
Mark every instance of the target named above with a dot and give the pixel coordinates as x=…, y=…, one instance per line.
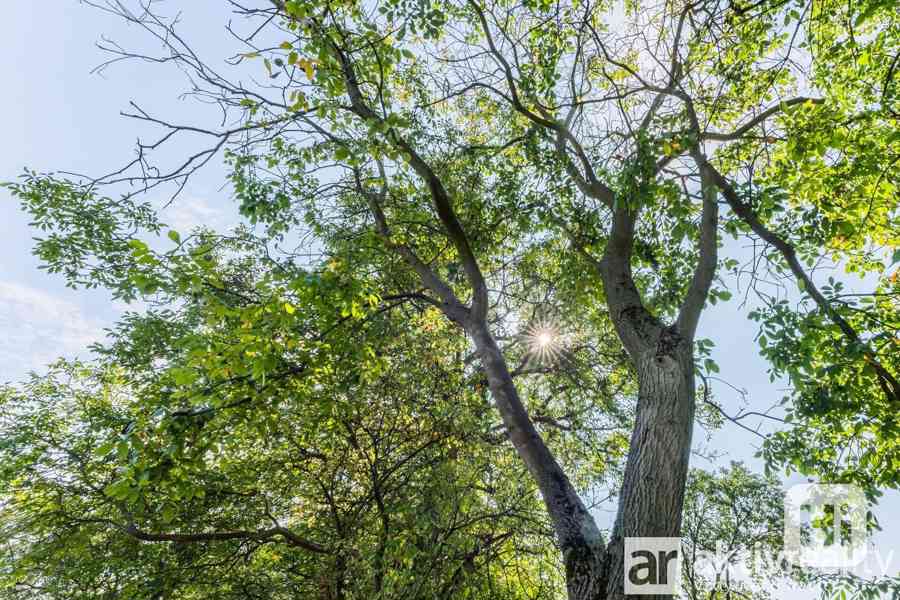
x=576, y=531
x=652, y=494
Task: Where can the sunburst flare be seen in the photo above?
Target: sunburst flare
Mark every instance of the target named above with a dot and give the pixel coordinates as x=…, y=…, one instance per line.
x=544, y=341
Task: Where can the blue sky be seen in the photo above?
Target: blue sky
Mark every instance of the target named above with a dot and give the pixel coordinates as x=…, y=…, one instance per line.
x=61, y=117
x=58, y=116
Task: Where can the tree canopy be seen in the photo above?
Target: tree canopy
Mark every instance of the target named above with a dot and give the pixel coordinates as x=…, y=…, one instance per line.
x=462, y=313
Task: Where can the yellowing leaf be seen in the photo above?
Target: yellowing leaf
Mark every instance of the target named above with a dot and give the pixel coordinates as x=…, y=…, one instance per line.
x=308, y=66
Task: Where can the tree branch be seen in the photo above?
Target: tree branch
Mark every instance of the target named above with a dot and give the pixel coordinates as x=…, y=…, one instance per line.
x=441, y=199
x=742, y=209
x=289, y=537
x=758, y=119
x=689, y=315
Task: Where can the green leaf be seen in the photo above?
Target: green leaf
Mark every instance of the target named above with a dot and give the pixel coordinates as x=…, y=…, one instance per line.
x=105, y=448
x=168, y=513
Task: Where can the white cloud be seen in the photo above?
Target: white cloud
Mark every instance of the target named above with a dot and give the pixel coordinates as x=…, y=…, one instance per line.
x=186, y=213
x=38, y=327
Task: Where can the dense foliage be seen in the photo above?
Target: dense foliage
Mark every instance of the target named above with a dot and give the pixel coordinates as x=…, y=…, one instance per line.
x=462, y=315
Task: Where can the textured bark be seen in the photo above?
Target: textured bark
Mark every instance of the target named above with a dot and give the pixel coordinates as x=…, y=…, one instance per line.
x=652, y=494
x=585, y=579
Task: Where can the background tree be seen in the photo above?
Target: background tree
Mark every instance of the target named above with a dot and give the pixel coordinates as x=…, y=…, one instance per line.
x=230, y=448
x=732, y=535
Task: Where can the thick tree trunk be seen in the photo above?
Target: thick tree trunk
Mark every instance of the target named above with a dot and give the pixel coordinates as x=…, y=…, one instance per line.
x=652, y=495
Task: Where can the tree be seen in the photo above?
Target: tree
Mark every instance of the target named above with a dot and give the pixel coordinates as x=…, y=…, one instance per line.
x=463, y=151
x=325, y=481
x=732, y=529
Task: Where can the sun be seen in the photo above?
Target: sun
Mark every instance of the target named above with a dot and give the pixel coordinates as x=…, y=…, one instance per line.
x=544, y=341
